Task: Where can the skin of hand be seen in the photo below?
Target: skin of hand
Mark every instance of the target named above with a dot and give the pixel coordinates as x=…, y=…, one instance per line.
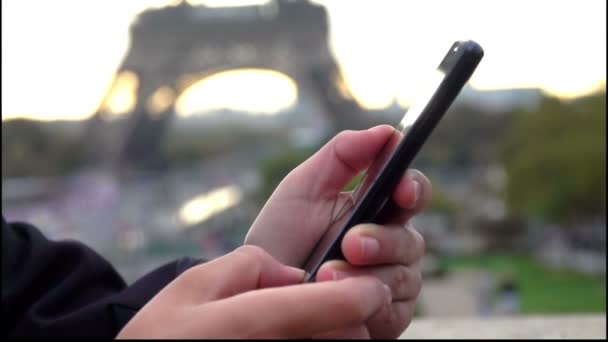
x=249, y=294
x=303, y=205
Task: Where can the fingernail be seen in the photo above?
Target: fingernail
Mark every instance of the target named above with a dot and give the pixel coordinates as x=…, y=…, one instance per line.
x=416, y=187
x=369, y=246
x=297, y=272
x=388, y=295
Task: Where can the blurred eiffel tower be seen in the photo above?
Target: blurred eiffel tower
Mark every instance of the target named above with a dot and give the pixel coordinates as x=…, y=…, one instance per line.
x=176, y=46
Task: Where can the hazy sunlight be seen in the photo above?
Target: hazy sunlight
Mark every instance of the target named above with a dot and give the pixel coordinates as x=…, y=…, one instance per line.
x=257, y=91
x=61, y=67
x=204, y=206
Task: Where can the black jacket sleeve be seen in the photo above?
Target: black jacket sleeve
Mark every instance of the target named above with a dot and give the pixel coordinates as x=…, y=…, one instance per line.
x=63, y=289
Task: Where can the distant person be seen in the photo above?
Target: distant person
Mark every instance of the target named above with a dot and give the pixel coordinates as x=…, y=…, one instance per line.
x=508, y=301
x=63, y=289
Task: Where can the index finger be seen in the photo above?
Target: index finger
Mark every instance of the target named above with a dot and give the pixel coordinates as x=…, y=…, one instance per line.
x=329, y=170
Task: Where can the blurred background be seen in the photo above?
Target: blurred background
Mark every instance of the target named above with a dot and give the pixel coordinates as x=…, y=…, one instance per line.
x=155, y=129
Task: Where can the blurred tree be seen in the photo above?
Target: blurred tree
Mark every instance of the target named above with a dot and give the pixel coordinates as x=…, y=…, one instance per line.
x=274, y=169
x=187, y=147
x=440, y=203
x=555, y=160
x=31, y=148
x=467, y=135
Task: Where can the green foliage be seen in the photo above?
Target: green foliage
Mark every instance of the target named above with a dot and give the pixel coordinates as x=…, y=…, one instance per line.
x=542, y=290
x=354, y=182
x=466, y=135
x=556, y=160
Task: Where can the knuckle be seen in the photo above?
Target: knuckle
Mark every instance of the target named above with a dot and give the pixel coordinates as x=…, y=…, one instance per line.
x=253, y=252
x=400, y=282
x=421, y=243
x=350, y=303
x=403, y=313
x=190, y=278
x=254, y=257
x=343, y=133
x=406, y=283
x=408, y=244
x=416, y=281
x=394, y=326
x=418, y=245
x=397, y=243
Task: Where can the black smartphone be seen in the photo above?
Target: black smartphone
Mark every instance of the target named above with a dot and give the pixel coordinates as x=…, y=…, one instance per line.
x=371, y=202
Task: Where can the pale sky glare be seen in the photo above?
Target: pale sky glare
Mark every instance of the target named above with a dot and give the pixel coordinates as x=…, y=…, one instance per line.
x=58, y=57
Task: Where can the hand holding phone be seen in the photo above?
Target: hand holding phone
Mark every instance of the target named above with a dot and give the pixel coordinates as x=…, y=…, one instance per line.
x=371, y=200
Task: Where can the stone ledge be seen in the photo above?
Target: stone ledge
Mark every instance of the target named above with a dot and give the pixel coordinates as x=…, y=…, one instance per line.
x=517, y=327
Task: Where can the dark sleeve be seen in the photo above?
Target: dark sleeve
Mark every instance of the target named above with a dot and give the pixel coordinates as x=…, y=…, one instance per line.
x=63, y=289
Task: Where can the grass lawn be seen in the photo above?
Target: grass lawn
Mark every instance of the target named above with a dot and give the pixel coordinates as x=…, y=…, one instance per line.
x=542, y=290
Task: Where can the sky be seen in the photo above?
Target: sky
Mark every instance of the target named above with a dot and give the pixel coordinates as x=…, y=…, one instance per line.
x=59, y=57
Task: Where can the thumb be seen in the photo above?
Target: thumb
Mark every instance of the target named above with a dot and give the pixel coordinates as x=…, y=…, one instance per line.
x=304, y=310
x=246, y=268
x=328, y=171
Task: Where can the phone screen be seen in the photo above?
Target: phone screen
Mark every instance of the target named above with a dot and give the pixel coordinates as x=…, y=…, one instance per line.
x=371, y=196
